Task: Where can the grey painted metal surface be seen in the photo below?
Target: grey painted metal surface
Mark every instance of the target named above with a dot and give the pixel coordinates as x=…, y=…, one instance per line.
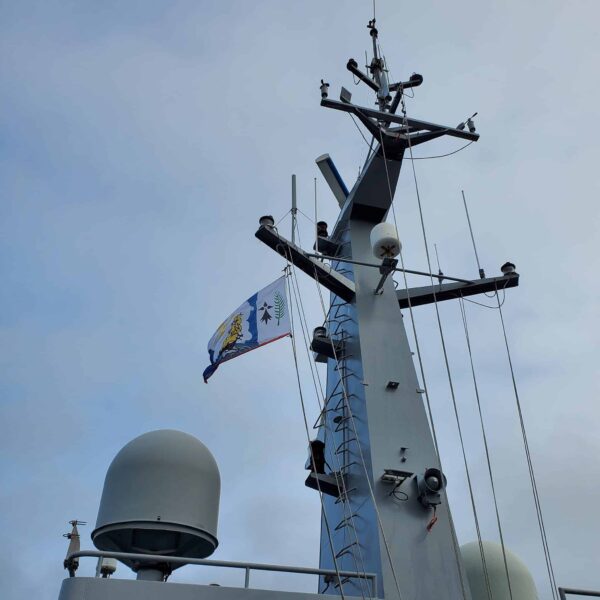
x=333, y=178
x=386, y=420
x=327, y=276
x=415, y=124
x=450, y=291
x=369, y=200
x=91, y=588
x=143, y=507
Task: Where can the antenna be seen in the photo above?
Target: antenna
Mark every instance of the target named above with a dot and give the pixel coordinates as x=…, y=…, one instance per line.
x=294, y=209
x=72, y=564
x=437, y=258
x=481, y=271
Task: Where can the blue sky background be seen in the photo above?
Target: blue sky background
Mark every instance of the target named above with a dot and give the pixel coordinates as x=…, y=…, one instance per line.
x=139, y=144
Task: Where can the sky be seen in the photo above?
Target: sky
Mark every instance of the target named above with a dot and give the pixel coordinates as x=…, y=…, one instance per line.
x=140, y=142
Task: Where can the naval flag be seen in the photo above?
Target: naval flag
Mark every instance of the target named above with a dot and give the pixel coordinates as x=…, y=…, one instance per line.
x=263, y=318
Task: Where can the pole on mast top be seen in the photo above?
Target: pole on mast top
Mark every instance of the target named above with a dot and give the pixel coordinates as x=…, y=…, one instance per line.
x=294, y=209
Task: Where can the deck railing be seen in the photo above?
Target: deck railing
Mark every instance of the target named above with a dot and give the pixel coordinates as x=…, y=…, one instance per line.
x=247, y=567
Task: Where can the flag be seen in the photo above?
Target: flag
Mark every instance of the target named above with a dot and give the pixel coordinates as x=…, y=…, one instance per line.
x=263, y=318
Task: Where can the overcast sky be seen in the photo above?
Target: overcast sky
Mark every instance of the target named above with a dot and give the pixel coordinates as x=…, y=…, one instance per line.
x=140, y=141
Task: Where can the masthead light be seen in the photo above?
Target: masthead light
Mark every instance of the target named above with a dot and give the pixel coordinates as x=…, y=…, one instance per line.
x=508, y=268
x=266, y=221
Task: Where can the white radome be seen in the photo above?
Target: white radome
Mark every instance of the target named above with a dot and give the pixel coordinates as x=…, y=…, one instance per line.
x=384, y=241
x=521, y=581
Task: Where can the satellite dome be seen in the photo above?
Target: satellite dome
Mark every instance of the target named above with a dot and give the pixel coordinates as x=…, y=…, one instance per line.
x=521, y=581
x=161, y=496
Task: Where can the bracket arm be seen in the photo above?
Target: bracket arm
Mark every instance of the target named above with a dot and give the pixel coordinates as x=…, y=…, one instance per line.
x=324, y=274
x=450, y=291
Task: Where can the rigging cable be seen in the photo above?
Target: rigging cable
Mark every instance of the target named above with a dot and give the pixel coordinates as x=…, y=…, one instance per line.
x=486, y=305
x=484, y=435
x=362, y=458
x=456, y=549
x=337, y=570
x=319, y=395
x=441, y=155
x=446, y=361
x=536, y=497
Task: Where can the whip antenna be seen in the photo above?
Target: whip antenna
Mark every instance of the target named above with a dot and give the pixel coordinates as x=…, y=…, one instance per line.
x=481, y=271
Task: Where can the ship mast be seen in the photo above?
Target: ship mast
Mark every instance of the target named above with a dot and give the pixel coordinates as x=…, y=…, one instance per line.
x=384, y=492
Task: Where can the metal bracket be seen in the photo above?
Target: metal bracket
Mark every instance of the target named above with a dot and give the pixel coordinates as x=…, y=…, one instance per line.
x=450, y=291
x=328, y=484
x=386, y=269
x=338, y=284
x=373, y=116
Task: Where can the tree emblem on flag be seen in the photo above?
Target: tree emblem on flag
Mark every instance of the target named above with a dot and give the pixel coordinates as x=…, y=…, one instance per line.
x=266, y=315
x=279, y=307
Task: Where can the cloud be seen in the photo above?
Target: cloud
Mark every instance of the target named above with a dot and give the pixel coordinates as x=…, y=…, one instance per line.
x=140, y=146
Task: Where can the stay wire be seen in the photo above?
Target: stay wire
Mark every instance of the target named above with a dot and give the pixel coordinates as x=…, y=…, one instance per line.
x=459, y=566
x=534, y=488
x=325, y=519
x=362, y=458
x=463, y=312
x=319, y=394
x=412, y=319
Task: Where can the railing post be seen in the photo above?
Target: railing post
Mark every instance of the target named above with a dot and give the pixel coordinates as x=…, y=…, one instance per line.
x=374, y=585
x=247, y=578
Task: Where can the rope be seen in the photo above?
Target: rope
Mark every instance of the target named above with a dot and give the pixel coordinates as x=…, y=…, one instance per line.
x=441, y=155
x=319, y=394
x=414, y=327
x=362, y=458
x=293, y=338
x=441, y=338
x=536, y=497
x=484, y=435
x=487, y=305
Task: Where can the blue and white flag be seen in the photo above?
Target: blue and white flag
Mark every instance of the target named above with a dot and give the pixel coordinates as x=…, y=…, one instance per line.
x=263, y=318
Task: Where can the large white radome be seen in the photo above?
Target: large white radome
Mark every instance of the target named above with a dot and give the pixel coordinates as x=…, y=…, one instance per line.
x=161, y=496
x=521, y=581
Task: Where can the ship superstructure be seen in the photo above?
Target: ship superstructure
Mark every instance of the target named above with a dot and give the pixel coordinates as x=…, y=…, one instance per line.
x=386, y=527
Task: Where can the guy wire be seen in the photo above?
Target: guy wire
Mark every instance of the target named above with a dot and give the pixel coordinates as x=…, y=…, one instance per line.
x=337, y=570
x=471, y=230
x=456, y=549
x=362, y=458
x=319, y=394
x=484, y=435
x=529, y=460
